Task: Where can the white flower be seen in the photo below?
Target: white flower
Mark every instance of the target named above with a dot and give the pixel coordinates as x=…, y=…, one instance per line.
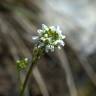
x=26, y=59
x=50, y=37
x=40, y=31
x=61, y=42
x=34, y=37
x=49, y=47
x=63, y=37
x=18, y=61
x=43, y=39
x=59, y=47
x=46, y=35
x=44, y=27
x=58, y=30
x=52, y=28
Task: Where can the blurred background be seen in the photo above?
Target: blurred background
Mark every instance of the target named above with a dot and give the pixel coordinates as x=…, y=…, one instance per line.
x=67, y=72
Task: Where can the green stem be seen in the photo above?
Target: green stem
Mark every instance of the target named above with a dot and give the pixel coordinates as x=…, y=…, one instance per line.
x=19, y=80
x=36, y=55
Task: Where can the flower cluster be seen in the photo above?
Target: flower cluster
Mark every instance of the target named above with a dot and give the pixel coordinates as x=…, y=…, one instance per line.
x=49, y=38
x=22, y=63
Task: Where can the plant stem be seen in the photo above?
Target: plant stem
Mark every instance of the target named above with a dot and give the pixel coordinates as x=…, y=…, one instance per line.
x=36, y=55
x=20, y=83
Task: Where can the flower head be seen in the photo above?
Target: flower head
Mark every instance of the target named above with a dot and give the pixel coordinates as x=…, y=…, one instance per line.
x=50, y=38
x=22, y=63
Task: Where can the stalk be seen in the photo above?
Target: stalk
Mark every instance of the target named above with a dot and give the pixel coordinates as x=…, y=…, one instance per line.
x=37, y=53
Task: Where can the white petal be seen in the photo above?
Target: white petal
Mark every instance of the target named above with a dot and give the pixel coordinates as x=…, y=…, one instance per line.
x=59, y=47
x=45, y=35
x=18, y=61
x=52, y=28
x=40, y=31
x=63, y=36
x=58, y=30
x=61, y=42
x=26, y=59
x=44, y=27
x=35, y=37
x=43, y=39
